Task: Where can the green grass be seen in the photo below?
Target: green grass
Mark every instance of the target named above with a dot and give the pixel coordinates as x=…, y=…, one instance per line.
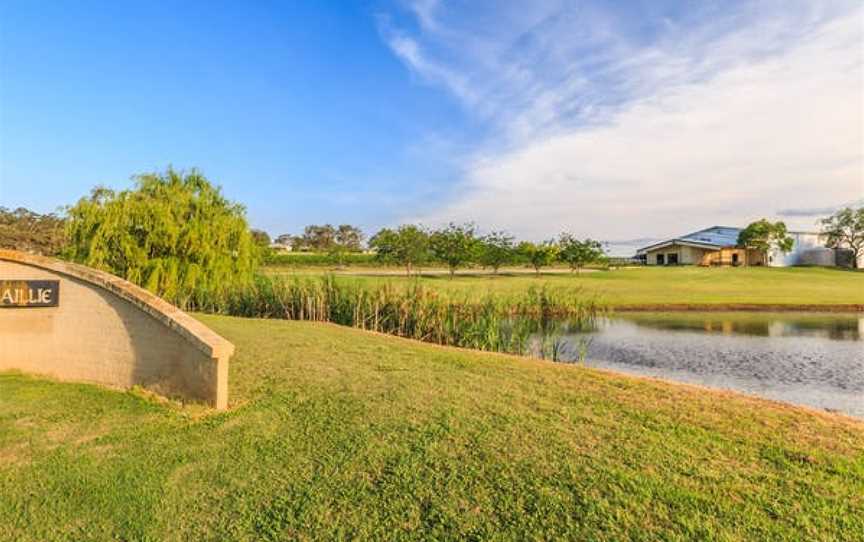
x=661, y=286
x=318, y=259
x=339, y=433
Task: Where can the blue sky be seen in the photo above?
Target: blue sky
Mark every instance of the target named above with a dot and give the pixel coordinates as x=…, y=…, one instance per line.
x=299, y=111
x=617, y=120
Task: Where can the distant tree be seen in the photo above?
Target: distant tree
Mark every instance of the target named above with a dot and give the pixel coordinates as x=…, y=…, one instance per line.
x=764, y=235
x=28, y=231
x=577, y=254
x=318, y=238
x=260, y=237
x=539, y=255
x=298, y=243
x=174, y=233
x=454, y=245
x=845, y=229
x=350, y=238
x=408, y=246
x=495, y=250
x=346, y=239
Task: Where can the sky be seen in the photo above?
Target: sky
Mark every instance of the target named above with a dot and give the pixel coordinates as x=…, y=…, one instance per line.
x=622, y=121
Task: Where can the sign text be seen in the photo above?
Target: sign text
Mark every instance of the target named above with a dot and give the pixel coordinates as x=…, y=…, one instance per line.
x=29, y=293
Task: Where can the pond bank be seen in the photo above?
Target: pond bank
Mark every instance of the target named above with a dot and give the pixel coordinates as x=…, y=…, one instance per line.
x=739, y=307
x=805, y=358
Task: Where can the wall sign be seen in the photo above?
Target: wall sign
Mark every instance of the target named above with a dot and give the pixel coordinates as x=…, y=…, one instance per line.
x=29, y=293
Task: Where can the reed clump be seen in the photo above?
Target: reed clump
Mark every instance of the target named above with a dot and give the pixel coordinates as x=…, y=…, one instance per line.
x=500, y=323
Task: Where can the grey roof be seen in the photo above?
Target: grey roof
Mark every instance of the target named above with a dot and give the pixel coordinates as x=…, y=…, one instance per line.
x=713, y=237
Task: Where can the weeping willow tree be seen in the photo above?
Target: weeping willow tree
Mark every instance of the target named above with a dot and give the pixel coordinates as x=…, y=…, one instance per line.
x=173, y=233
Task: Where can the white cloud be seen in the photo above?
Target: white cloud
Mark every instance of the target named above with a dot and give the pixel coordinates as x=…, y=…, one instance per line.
x=424, y=10
x=409, y=51
x=728, y=120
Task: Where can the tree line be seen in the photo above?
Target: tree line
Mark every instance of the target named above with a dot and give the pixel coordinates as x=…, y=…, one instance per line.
x=27, y=231
x=321, y=238
x=335, y=241
x=460, y=245
x=455, y=246
x=177, y=235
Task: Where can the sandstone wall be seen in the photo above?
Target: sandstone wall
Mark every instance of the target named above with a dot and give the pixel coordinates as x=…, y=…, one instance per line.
x=109, y=331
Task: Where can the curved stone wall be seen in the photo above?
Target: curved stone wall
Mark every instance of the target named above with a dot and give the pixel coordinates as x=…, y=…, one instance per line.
x=109, y=331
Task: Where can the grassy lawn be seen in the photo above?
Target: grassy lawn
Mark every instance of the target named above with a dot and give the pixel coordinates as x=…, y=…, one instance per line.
x=337, y=433
x=657, y=285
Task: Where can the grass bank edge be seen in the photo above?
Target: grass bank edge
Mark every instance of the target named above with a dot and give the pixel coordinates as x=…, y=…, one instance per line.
x=753, y=400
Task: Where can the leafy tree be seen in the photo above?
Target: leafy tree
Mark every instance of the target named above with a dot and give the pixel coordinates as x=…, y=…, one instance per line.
x=173, y=233
x=578, y=253
x=845, y=229
x=539, y=255
x=28, y=231
x=349, y=237
x=763, y=235
x=454, y=245
x=408, y=245
x=260, y=238
x=298, y=243
x=496, y=250
x=318, y=238
x=324, y=238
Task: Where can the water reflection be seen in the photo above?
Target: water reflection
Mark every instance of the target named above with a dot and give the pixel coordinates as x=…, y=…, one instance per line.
x=810, y=359
x=839, y=327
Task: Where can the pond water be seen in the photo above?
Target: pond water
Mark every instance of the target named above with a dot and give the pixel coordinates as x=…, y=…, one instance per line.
x=813, y=359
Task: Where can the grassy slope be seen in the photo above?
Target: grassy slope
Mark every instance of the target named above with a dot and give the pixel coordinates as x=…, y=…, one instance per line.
x=676, y=285
x=336, y=432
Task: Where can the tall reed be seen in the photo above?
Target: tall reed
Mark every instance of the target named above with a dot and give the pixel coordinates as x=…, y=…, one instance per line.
x=501, y=323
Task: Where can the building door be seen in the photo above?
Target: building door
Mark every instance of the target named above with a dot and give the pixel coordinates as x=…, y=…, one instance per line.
x=672, y=259
x=735, y=258
x=660, y=260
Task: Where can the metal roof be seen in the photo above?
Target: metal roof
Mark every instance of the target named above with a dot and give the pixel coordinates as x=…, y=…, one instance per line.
x=713, y=237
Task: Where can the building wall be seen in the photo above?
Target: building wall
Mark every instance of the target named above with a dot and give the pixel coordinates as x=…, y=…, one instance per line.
x=818, y=256
x=730, y=256
x=687, y=255
x=651, y=255
x=808, y=249
x=96, y=335
x=692, y=255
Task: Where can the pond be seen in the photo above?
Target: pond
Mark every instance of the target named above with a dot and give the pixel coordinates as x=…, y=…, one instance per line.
x=812, y=359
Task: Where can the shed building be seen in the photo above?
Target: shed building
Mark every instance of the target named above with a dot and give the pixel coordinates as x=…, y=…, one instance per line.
x=717, y=245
